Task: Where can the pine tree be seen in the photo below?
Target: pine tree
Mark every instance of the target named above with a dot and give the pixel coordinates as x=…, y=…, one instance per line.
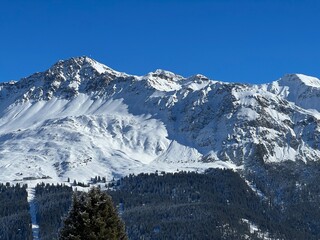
x=93, y=217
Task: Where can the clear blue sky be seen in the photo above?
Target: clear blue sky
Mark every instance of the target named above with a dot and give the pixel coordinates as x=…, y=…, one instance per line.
x=237, y=41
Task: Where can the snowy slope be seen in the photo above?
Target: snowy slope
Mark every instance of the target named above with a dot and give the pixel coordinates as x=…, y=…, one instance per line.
x=81, y=118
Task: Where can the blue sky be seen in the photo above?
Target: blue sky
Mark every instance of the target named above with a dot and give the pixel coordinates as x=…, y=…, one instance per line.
x=237, y=41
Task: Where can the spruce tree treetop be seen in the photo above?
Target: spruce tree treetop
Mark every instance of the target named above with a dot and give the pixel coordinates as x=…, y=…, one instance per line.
x=93, y=217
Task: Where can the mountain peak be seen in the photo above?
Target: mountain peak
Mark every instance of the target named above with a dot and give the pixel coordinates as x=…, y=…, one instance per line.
x=66, y=79
x=198, y=77
x=164, y=74
x=290, y=79
x=300, y=89
x=83, y=62
x=80, y=60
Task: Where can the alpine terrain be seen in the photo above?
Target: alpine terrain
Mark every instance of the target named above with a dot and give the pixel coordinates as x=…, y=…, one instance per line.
x=81, y=118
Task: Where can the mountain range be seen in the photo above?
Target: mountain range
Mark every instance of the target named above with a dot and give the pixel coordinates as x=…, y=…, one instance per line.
x=80, y=119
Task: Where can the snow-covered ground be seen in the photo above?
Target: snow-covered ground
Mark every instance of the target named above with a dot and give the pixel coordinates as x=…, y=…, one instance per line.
x=255, y=229
x=32, y=204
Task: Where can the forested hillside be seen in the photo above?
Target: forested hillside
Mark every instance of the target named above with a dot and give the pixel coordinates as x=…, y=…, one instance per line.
x=293, y=189
x=219, y=204
x=15, y=221
x=214, y=205
x=53, y=203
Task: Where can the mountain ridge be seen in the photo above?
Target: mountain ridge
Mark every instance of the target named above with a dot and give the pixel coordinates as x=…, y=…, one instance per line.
x=81, y=118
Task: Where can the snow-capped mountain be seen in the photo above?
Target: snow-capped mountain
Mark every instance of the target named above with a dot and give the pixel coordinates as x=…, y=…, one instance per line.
x=81, y=118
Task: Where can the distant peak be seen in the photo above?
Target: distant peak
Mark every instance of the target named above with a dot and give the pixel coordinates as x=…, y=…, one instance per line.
x=301, y=79
x=84, y=62
x=164, y=74
x=162, y=71
x=198, y=77
x=79, y=60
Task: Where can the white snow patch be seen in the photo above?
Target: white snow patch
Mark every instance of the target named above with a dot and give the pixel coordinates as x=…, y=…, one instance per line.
x=33, y=213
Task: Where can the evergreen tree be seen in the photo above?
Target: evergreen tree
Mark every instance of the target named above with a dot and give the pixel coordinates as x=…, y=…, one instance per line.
x=93, y=217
